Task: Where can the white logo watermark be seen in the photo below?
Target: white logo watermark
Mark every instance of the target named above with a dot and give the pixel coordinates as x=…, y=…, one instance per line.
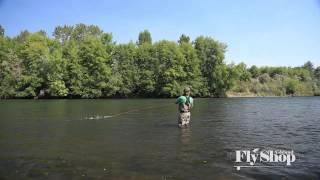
x=263, y=158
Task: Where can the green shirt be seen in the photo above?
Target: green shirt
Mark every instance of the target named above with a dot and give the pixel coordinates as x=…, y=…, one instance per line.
x=184, y=100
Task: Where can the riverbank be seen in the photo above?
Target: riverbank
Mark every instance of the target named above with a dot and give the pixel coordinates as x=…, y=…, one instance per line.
x=250, y=94
x=228, y=95
x=239, y=94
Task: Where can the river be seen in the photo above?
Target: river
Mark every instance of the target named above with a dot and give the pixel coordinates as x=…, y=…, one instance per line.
x=140, y=139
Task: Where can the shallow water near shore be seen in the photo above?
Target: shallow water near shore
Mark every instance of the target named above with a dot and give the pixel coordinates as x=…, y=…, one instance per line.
x=140, y=139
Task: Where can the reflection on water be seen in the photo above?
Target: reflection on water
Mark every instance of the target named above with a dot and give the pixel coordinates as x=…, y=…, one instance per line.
x=140, y=139
x=185, y=135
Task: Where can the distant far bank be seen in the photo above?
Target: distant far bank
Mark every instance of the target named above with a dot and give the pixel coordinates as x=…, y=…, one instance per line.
x=228, y=95
x=248, y=94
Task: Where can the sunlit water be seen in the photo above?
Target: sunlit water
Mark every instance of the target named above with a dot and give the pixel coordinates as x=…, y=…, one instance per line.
x=140, y=139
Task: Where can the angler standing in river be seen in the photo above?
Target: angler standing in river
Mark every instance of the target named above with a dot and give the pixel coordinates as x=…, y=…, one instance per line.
x=185, y=104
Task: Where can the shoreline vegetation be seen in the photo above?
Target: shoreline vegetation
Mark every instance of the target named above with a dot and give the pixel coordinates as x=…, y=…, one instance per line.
x=82, y=61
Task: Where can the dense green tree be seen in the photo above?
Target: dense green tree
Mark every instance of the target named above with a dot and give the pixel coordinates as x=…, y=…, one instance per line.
x=300, y=73
x=94, y=60
x=35, y=57
x=171, y=77
x=144, y=37
x=82, y=31
x=124, y=70
x=211, y=53
x=317, y=73
x=148, y=70
x=191, y=66
x=224, y=76
x=22, y=37
x=1, y=31
x=56, y=71
x=74, y=71
x=106, y=38
x=291, y=86
x=238, y=75
x=308, y=66
x=184, y=39
x=42, y=32
x=264, y=78
x=10, y=69
x=63, y=33
x=242, y=72
x=78, y=32
x=254, y=71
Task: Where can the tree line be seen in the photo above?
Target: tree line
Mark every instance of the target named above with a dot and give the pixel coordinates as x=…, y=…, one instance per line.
x=82, y=61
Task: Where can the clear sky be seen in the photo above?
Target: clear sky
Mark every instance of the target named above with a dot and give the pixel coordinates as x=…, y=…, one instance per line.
x=260, y=32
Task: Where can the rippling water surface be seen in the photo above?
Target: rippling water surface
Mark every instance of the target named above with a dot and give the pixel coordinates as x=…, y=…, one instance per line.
x=139, y=139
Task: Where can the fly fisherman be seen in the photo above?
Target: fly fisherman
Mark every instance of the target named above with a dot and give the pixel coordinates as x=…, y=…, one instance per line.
x=185, y=103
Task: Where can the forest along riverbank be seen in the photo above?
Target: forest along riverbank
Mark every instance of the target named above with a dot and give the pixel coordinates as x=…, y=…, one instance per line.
x=82, y=61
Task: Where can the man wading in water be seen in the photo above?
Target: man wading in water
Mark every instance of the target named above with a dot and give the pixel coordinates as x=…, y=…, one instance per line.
x=185, y=103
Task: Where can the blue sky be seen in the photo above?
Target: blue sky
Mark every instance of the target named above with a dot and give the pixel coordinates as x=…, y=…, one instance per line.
x=260, y=32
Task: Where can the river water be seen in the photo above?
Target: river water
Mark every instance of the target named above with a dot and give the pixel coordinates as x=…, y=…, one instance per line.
x=140, y=139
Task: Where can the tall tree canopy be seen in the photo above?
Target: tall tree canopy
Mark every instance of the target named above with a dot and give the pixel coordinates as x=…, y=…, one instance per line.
x=184, y=39
x=144, y=37
x=1, y=31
